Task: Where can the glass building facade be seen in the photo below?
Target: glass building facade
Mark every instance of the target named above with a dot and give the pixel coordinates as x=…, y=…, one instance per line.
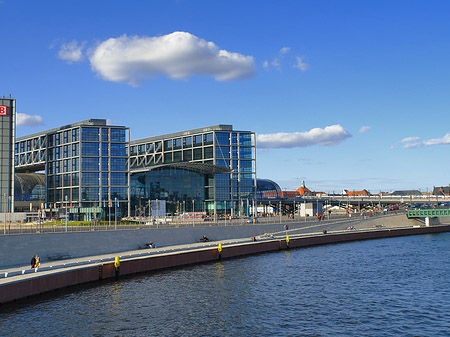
x=7, y=136
x=86, y=167
x=211, y=169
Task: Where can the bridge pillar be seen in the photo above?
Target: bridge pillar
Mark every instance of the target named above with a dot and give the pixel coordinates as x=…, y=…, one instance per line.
x=431, y=221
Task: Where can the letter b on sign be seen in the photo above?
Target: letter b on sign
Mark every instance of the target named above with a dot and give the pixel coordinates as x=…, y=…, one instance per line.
x=2, y=110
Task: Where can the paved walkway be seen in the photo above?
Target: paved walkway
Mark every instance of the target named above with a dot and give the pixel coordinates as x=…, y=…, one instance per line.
x=22, y=272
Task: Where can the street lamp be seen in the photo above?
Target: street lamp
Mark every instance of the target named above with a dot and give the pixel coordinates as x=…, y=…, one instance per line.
x=115, y=213
x=193, y=213
x=66, y=212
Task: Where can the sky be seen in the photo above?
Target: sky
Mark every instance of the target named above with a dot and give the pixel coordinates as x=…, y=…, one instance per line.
x=341, y=94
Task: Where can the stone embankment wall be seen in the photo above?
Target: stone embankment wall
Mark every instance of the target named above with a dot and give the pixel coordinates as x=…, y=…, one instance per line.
x=17, y=250
x=51, y=280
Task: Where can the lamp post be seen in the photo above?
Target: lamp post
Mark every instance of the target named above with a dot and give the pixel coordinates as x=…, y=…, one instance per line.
x=4, y=211
x=115, y=213
x=193, y=213
x=225, y=212
x=66, y=211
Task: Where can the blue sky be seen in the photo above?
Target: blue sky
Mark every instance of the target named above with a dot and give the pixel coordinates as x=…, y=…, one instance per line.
x=342, y=94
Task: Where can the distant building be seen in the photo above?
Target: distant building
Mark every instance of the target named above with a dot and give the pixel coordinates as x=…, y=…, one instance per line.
x=405, y=193
x=441, y=190
x=7, y=136
x=303, y=190
x=363, y=193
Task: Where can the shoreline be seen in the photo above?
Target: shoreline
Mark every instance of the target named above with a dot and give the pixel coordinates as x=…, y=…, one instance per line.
x=32, y=284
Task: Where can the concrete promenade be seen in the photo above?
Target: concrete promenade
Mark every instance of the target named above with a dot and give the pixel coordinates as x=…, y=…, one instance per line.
x=19, y=281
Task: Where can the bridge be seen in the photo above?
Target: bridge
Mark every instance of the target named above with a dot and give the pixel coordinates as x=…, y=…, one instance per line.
x=427, y=213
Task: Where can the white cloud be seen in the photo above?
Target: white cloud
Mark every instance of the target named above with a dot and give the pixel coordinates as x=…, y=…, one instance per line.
x=413, y=142
x=71, y=52
x=266, y=64
x=330, y=135
x=178, y=55
x=410, y=139
x=364, y=129
x=300, y=64
x=438, y=141
x=285, y=50
x=27, y=120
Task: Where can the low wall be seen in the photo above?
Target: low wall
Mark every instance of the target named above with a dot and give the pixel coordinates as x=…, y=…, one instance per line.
x=31, y=285
x=17, y=250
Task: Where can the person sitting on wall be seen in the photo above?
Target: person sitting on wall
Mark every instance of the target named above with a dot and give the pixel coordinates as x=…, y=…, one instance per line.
x=204, y=239
x=151, y=245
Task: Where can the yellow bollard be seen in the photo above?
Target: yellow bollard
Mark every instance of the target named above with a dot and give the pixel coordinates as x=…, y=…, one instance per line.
x=287, y=241
x=219, y=249
x=117, y=266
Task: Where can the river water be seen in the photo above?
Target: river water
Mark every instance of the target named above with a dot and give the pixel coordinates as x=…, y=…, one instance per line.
x=386, y=287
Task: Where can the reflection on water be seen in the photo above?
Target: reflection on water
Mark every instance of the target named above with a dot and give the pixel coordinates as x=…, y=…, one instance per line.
x=397, y=286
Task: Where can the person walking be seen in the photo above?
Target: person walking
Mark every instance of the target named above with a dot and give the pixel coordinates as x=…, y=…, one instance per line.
x=37, y=263
x=33, y=261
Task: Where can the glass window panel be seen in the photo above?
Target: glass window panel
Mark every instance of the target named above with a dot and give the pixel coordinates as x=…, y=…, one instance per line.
x=208, y=139
x=209, y=152
x=89, y=134
x=198, y=140
x=105, y=134
x=118, y=179
x=198, y=154
x=118, y=164
x=118, y=149
x=187, y=155
x=222, y=152
x=118, y=135
x=89, y=179
x=245, y=139
x=89, y=149
x=105, y=149
x=187, y=141
x=89, y=164
x=89, y=193
x=222, y=138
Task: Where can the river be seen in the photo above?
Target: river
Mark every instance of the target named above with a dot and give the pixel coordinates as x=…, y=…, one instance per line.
x=386, y=287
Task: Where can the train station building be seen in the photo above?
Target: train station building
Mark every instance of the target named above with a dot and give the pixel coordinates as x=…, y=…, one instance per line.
x=90, y=169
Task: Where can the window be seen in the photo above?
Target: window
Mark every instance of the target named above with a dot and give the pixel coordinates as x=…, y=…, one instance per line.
x=209, y=152
x=89, y=149
x=168, y=145
x=89, y=164
x=118, y=135
x=198, y=140
x=245, y=139
x=89, y=193
x=118, y=150
x=222, y=138
x=105, y=166
x=89, y=134
x=197, y=154
x=187, y=141
x=118, y=164
x=75, y=179
x=105, y=149
x=208, y=139
x=75, y=164
x=245, y=153
x=89, y=179
x=187, y=155
x=177, y=144
x=75, y=135
x=118, y=179
x=105, y=134
x=222, y=152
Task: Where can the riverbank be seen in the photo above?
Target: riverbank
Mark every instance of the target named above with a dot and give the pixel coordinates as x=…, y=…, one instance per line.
x=63, y=274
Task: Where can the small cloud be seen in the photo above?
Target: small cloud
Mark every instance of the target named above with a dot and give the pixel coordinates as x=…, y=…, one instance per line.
x=438, y=141
x=364, y=129
x=285, y=50
x=178, y=55
x=410, y=139
x=28, y=120
x=300, y=64
x=266, y=64
x=71, y=52
x=330, y=135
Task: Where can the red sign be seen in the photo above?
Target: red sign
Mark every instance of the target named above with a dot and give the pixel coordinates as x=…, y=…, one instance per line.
x=2, y=110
